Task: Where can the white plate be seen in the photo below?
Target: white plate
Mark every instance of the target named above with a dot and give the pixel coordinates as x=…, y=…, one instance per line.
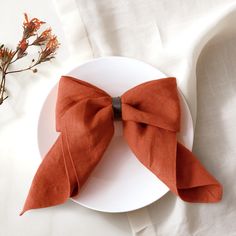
x=120, y=183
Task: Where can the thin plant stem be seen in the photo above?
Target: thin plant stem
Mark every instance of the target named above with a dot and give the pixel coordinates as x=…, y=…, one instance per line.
x=2, y=88
x=21, y=70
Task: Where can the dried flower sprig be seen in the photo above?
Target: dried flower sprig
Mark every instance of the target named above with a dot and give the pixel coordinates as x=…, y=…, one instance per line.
x=46, y=42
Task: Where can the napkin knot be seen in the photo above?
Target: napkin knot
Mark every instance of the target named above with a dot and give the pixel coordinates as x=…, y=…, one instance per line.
x=116, y=106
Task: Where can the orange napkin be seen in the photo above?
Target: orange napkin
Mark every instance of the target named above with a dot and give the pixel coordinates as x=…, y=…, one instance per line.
x=150, y=113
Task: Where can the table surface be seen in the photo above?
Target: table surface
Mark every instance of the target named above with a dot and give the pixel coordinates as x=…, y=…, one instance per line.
x=215, y=131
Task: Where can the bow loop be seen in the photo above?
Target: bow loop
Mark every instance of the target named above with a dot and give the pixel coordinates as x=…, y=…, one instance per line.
x=155, y=102
x=72, y=91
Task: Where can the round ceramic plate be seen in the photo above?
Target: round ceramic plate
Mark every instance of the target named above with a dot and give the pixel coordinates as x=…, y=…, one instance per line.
x=120, y=183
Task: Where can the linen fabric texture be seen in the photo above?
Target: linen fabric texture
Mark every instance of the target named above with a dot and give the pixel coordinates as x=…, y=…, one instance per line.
x=151, y=119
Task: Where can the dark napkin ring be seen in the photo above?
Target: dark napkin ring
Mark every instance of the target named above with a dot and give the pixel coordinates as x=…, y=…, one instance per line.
x=116, y=106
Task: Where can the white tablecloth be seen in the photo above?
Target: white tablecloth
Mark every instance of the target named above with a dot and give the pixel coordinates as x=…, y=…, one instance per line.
x=192, y=40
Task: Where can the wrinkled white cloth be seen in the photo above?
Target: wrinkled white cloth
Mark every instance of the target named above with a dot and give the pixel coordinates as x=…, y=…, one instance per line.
x=194, y=41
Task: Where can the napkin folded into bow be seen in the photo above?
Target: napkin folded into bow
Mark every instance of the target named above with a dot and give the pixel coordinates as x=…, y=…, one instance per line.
x=150, y=113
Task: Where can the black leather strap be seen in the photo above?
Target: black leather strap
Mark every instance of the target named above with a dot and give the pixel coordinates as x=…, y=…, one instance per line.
x=116, y=105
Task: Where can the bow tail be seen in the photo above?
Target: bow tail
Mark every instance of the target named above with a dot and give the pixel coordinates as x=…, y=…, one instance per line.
x=52, y=182
x=194, y=182
x=158, y=150
x=155, y=148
